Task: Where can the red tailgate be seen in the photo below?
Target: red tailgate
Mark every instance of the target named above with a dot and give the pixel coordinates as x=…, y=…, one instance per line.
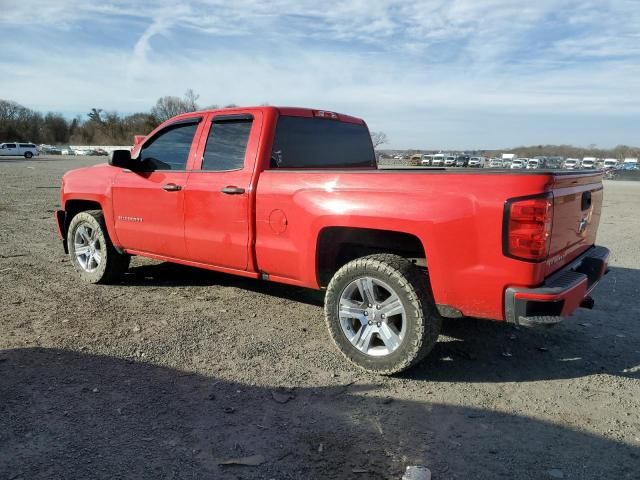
x=577, y=203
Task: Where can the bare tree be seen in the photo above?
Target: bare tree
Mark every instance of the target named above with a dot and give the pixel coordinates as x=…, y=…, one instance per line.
x=167, y=107
x=191, y=99
x=379, y=138
x=170, y=106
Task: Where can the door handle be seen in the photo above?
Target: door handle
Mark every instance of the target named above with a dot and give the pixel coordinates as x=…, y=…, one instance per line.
x=172, y=187
x=231, y=190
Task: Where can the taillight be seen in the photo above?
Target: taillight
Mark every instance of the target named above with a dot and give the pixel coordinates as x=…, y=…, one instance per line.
x=527, y=227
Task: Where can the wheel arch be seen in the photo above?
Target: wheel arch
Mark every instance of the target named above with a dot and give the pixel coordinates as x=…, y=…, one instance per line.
x=336, y=246
x=73, y=206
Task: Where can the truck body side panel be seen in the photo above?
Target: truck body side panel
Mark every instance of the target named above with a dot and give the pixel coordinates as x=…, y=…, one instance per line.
x=457, y=218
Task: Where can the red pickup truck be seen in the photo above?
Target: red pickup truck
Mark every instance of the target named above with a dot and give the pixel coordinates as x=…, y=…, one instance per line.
x=295, y=196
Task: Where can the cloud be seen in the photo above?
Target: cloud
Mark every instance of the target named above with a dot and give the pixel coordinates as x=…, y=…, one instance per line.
x=454, y=60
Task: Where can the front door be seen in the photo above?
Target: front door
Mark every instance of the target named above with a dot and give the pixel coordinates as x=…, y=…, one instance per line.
x=217, y=198
x=9, y=149
x=148, y=201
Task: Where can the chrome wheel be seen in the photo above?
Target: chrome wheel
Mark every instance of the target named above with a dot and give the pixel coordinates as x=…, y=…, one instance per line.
x=372, y=316
x=88, y=247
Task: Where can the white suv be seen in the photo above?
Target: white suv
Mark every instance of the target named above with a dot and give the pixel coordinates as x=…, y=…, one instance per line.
x=26, y=150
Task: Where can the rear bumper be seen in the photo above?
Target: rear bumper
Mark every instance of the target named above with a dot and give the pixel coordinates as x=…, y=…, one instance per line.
x=561, y=294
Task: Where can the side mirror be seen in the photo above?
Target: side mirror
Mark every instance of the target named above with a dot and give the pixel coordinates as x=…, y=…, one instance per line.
x=121, y=158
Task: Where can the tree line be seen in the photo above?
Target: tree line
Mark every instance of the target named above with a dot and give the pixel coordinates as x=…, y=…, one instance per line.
x=97, y=127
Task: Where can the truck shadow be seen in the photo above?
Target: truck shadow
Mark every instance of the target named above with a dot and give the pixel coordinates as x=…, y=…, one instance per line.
x=602, y=340
x=66, y=414
x=474, y=350
x=175, y=275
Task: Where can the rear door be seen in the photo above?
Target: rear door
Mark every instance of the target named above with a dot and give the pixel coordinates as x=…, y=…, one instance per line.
x=577, y=202
x=148, y=202
x=218, y=193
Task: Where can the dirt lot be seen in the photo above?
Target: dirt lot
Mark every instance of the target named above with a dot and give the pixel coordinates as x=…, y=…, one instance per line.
x=176, y=370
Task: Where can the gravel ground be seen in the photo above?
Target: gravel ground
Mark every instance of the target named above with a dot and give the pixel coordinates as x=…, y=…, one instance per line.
x=176, y=370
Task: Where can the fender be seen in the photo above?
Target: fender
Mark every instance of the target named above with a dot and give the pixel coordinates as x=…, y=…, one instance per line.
x=92, y=184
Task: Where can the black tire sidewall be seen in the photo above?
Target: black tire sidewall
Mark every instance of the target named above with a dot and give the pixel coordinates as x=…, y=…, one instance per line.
x=413, y=316
x=28, y=155
x=98, y=274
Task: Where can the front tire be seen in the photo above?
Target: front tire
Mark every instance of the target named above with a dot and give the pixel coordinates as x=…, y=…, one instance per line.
x=90, y=249
x=380, y=313
x=28, y=154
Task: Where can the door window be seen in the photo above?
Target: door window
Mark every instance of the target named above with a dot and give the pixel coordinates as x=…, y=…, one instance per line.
x=169, y=149
x=11, y=145
x=226, y=145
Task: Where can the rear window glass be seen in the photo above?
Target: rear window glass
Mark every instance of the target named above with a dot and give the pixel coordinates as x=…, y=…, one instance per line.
x=226, y=145
x=303, y=142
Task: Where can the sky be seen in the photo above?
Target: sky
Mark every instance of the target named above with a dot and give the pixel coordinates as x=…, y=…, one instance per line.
x=431, y=74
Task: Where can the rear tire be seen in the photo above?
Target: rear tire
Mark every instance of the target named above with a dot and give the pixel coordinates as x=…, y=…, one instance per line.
x=379, y=343
x=91, y=251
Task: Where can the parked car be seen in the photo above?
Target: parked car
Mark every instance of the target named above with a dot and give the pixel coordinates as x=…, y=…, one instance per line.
x=294, y=196
x=475, y=162
x=16, y=149
x=426, y=160
x=462, y=161
x=507, y=158
x=588, y=163
x=450, y=161
x=437, y=160
x=519, y=163
x=542, y=161
x=495, y=163
x=533, y=163
x=610, y=163
x=554, y=162
x=49, y=150
x=415, y=159
x=571, y=164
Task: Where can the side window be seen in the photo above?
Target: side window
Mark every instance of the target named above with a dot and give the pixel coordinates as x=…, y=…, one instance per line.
x=11, y=145
x=169, y=149
x=226, y=145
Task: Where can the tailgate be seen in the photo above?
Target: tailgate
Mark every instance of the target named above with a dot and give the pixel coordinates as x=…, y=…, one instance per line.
x=577, y=202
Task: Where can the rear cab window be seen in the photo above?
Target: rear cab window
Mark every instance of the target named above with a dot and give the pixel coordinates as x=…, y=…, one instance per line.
x=227, y=143
x=312, y=142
